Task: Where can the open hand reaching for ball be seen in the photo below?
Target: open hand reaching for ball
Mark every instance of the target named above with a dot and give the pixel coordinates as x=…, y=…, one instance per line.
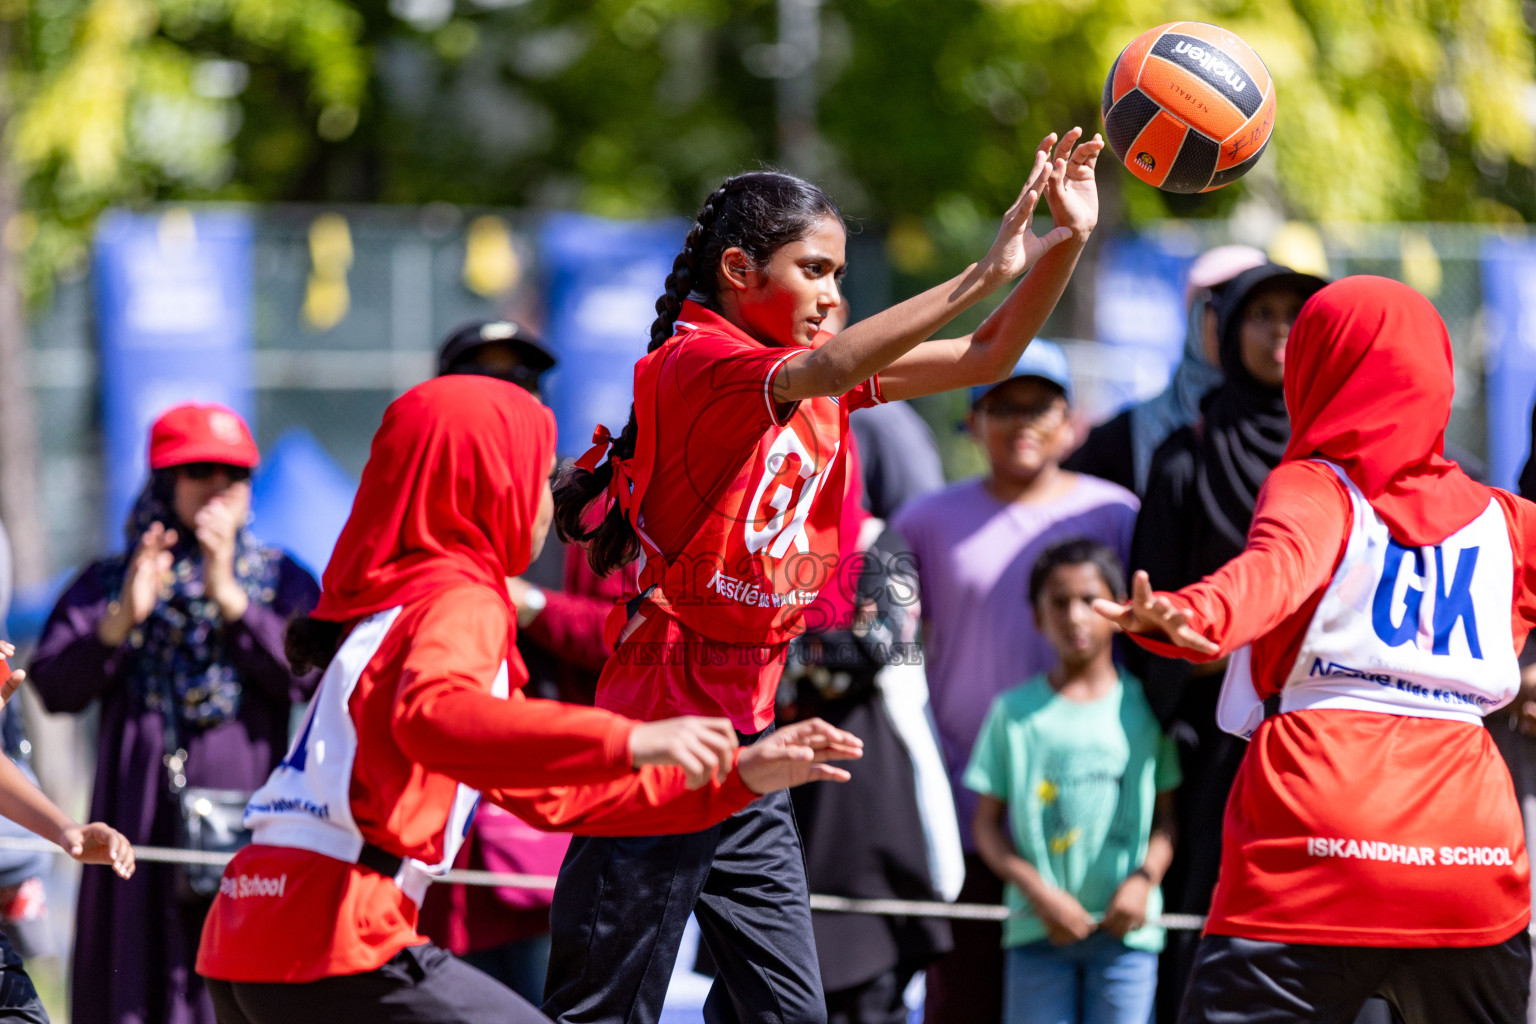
x=1151, y=613
x=1072, y=192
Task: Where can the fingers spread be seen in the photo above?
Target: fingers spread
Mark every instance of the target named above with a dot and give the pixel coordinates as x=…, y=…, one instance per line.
x=820, y=733
x=1028, y=195
x=1187, y=637
x=827, y=773
x=1088, y=153
x=1111, y=610
x=1141, y=589
x=1064, y=147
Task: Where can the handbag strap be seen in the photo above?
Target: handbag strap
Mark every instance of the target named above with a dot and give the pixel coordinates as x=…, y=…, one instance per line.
x=175, y=757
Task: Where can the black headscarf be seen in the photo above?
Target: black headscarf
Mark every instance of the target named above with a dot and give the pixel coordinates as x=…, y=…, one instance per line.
x=1245, y=428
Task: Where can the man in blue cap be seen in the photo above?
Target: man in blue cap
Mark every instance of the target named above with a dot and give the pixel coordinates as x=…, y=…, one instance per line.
x=975, y=542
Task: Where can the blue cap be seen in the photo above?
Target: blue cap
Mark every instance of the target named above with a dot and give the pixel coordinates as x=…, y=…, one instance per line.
x=1043, y=359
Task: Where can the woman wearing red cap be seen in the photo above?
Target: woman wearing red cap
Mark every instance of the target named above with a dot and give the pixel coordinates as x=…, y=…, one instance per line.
x=420, y=711
x=1372, y=844
x=181, y=640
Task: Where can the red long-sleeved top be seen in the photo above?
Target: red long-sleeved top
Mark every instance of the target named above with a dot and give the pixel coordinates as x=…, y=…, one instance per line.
x=1434, y=783
x=426, y=721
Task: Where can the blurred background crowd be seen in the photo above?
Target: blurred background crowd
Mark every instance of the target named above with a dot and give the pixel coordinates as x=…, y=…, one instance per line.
x=297, y=209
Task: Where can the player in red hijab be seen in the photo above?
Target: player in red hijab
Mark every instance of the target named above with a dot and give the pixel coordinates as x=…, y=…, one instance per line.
x=1372, y=842
x=420, y=707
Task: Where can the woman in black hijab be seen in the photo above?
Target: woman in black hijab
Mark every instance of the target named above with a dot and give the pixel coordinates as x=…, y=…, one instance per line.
x=1194, y=518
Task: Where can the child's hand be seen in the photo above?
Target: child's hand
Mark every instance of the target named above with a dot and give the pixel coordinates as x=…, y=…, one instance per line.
x=1016, y=247
x=1148, y=613
x=98, y=843
x=1064, y=918
x=1127, y=910
x=1072, y=193
x=701, y=747
x=796, y=754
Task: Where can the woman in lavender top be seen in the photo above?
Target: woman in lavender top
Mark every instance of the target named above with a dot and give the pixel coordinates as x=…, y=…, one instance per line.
x=181, y=640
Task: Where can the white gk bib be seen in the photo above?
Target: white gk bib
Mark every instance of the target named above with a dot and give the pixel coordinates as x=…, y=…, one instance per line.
x=1417, y=631
x=306, y=802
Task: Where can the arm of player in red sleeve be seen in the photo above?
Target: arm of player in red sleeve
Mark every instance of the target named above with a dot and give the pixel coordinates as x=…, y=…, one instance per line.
x=651, y=801
x=1300, y=524
x=447, y=718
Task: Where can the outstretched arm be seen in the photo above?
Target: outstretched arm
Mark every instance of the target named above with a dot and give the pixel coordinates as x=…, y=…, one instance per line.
x=1299, y=527
x=29, y=807
x=446, y=717
x=657, y=801
x=991, y=352
x=873, y=344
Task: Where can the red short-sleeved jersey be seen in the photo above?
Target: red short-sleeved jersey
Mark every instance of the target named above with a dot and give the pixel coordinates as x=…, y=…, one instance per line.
x=1355, y=827
x=738, y=503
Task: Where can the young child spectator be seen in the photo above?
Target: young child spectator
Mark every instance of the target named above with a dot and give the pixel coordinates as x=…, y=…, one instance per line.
x=975, y=542
x=1076, y=761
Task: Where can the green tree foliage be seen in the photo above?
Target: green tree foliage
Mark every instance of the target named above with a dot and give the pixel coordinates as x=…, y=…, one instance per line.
x=1411, y=109
x=1388, y=109
x=125, y=101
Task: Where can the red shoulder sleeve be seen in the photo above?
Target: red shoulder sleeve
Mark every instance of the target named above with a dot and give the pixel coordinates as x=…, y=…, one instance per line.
x=446, y=717
x=725, y=384
x=863, y=395
x=1300, y=523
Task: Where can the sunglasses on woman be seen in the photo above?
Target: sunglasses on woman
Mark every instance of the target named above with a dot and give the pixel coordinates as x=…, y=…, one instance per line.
x=205, y=470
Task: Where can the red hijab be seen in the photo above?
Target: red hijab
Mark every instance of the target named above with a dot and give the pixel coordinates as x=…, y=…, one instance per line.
x=1368, y=383
x=449, y=496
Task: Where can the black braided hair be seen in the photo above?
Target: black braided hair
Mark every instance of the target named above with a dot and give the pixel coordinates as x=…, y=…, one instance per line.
x=757, y=212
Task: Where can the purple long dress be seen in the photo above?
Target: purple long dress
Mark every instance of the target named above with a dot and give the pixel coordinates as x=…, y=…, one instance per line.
x=135, y=944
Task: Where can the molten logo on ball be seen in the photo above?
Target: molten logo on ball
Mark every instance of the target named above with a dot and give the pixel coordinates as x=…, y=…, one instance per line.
x=1188, y=107
x=1212, y=63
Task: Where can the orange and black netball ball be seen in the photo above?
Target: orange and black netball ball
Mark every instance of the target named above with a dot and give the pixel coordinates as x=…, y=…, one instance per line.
x=1188, y=107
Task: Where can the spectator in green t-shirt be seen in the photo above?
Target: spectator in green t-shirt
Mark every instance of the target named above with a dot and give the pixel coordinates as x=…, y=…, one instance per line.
x=1076, y=762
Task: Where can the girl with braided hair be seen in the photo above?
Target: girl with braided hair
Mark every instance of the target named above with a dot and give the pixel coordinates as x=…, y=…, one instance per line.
x=726, y=485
